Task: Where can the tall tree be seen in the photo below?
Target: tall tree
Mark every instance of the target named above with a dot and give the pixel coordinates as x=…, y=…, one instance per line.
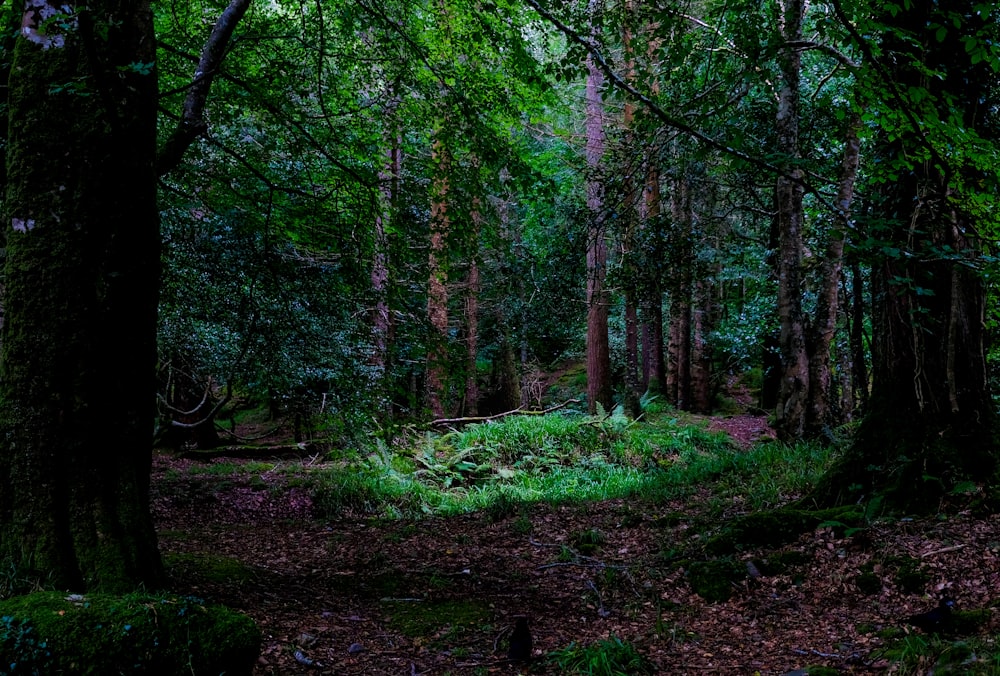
x=931, y=422
x=598, y=349
x=794, y=388
x=81, y=280
x=80, y=301
x=819, y=414
x=437, y=283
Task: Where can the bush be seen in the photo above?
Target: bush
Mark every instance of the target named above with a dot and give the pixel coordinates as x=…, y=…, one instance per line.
x=52, y=633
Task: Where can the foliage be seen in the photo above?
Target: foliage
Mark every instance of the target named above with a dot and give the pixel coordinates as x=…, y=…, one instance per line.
x=562, y=457
x=607, y=657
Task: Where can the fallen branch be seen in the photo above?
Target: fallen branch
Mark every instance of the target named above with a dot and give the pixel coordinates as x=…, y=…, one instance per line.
x=497, y=416
x=943, y=550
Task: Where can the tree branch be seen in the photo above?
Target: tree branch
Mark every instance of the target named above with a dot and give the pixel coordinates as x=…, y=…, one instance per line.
x=651, y=106
x=192, y=123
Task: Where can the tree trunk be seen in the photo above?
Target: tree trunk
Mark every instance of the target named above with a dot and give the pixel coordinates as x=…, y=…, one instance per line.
x=437, y=283
x=819, y=416
x=388, y=190
x=631, y=211
x=652, y=347
x=653, y=371
x=679, y=345
x=931, y=422
x=701, y=349
x=598, y=349
x=82, y=267
x=794, y=388
x=859, y=365
x=472, y=318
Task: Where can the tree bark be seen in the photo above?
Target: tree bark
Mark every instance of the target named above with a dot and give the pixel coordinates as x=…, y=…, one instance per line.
x=819, y=416
x=931, y=422
x=437, y=283
x=388, y=191
x=472, y=289
x=794, y=388
x=678, y=374
x=653, y=371
x=77, y=379
x=598, y=349
x=859, y=364
x=701, y=348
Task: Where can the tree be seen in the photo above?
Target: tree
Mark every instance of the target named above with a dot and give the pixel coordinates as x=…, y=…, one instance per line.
x=598, y=351
x=80, y=297
x=794, y=388
x=932, y=423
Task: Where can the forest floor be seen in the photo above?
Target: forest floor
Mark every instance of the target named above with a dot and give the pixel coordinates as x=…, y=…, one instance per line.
x=367, y=595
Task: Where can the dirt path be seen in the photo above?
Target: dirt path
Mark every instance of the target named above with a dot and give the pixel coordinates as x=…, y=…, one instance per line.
x=437, y=596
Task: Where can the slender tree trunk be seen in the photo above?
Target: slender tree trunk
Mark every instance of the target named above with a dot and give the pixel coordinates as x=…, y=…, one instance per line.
x=844, y=365
x=654, y=372
x=380, y=275
x=701, y=349
x=794, y=388
x=81, y=270
x=631, y=211
x=598, y=349
x=472, y=317
x=859, y=365
x=679, y=346
x=819, y=416
x=437, y=283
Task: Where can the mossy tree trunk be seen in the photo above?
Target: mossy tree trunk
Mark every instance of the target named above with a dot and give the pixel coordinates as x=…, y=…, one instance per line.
x=931, y=422
x=79, y=341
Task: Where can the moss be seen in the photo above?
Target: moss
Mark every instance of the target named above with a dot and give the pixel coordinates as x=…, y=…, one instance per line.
x=778, y=527
x=868, y=583
x=968, y=622
x=50, y=632
x=713, y=580
x=588, y=541
x=209, y=567
x=444, y=620
x=910, y=576
x=780, y=563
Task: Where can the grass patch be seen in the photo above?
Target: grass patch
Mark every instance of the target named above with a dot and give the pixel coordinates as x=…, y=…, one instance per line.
x=607, y=657
x=560, y=458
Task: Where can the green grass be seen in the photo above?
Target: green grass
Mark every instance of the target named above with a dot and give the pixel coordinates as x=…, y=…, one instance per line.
x=608, y=657
x=559, y=458
x=563, y=458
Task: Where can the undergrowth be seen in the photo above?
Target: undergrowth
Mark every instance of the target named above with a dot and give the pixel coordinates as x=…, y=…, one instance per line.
x=563, y=458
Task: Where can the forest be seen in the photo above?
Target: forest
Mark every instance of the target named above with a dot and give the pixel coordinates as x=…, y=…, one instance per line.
x=499, y=336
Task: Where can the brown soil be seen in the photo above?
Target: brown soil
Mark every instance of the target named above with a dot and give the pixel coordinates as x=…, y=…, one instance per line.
x=368, y=596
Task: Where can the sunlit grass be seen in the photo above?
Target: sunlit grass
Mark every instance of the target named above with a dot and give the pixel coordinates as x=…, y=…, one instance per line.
x=560, y=458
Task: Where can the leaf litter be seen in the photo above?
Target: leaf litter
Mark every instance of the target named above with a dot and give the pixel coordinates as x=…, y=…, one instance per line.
x=364, y=595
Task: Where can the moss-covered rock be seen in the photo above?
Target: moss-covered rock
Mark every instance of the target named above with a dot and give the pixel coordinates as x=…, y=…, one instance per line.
x=55, y=632
x=778, y=527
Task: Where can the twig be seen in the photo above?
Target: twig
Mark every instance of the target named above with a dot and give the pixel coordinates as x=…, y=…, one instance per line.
x=497, y=416
x=943, y=550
